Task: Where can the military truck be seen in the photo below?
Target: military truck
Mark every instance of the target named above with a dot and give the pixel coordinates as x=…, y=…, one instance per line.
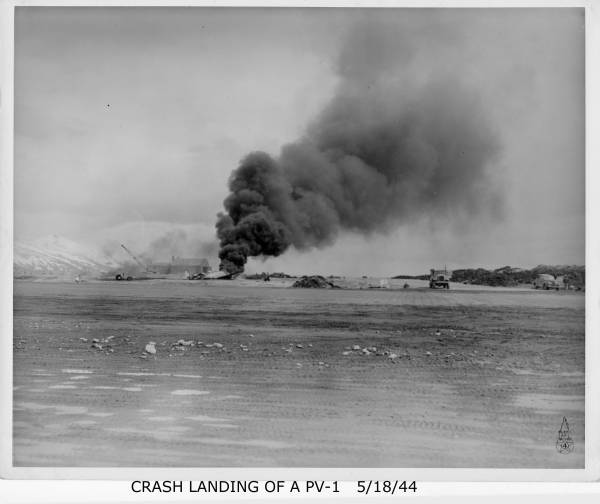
x=439, y=278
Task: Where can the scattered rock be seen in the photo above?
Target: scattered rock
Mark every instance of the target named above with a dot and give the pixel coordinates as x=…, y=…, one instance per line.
x=95, y=340
x=393, y=356
x=347, y=352
x=427, y=353
x=217, y=345
x=299, y=345
x=83, y=339
x=150, y=348
x=356, y=347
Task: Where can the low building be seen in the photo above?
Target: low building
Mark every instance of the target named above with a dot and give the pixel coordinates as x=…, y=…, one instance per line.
x=181, y=265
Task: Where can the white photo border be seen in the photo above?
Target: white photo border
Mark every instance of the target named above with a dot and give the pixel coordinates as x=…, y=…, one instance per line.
x=592, y=345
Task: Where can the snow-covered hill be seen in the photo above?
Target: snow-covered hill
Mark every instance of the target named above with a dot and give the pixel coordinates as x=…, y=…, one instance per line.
x=56, y=256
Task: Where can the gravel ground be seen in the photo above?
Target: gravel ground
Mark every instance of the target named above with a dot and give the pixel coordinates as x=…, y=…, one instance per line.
x=247, y=373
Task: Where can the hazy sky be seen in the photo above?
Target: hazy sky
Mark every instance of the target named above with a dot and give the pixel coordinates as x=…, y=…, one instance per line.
x=129, y=121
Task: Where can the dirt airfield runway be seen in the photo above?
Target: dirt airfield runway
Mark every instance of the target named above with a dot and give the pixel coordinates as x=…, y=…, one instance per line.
x=249, y=373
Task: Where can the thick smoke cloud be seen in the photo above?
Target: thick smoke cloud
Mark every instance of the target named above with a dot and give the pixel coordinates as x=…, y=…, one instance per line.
x=400, y=140
x=178, y=243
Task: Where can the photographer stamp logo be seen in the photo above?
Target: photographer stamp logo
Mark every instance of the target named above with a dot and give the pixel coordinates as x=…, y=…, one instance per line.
x=564, y=443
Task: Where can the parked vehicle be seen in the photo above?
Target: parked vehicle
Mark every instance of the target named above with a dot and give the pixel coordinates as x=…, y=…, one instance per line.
x=546, y=282
x=439, y=278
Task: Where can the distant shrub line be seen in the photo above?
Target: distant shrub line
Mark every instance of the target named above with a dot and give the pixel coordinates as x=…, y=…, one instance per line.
x=508, y=276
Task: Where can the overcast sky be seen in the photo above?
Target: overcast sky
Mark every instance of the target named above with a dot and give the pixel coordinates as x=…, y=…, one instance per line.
x=129, y=121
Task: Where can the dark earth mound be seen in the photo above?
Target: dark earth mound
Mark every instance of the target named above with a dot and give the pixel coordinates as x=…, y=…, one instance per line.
x=314, y=282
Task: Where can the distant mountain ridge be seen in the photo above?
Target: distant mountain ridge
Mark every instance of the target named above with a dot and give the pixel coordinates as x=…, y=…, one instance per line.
x=56, y=256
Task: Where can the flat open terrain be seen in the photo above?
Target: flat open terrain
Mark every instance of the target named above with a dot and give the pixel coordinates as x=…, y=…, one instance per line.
x=480, y=378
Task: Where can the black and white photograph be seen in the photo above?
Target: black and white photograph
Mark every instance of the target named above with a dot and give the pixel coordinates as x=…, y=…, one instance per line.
x=295, y=237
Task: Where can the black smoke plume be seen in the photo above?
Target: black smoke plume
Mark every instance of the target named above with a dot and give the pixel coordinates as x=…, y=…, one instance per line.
x=399, y=141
